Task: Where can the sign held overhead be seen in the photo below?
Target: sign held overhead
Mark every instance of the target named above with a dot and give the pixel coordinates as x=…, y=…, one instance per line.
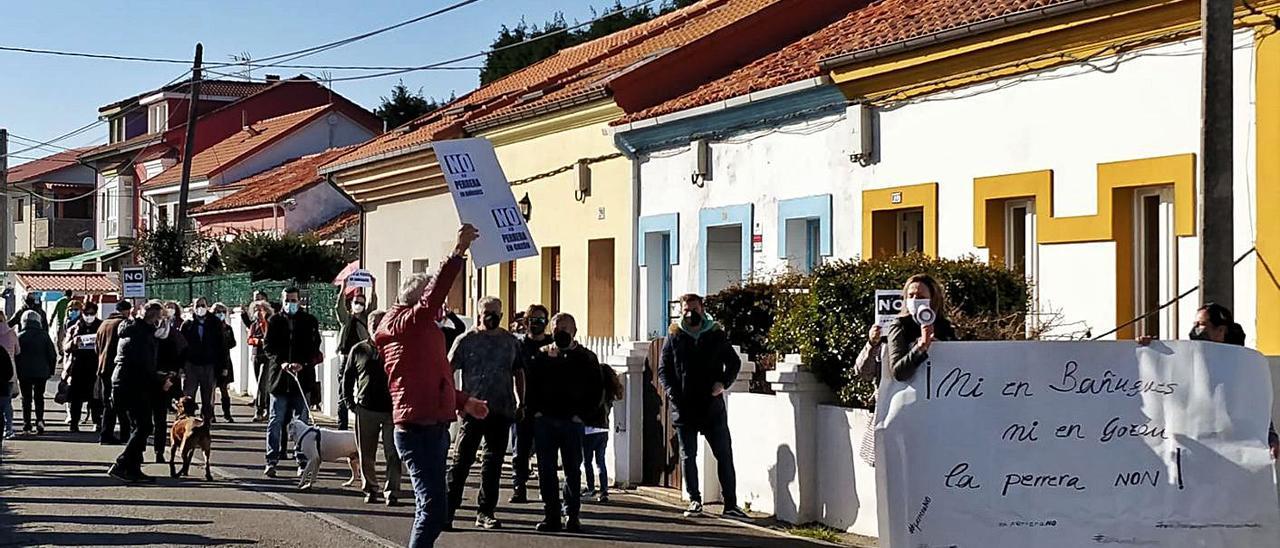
x=483, y=197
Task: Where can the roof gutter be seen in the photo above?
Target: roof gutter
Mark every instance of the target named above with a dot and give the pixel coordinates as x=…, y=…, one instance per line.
x=972, y=29
x=553, y=106
x=734, y=102
x=333, y=168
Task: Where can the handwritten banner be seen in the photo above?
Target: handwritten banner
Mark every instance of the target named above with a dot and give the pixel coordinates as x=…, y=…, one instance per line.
x=1078, y=444
x=483, y=198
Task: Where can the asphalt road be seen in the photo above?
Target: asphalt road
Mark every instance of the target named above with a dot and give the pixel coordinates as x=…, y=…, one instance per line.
x=54, y=491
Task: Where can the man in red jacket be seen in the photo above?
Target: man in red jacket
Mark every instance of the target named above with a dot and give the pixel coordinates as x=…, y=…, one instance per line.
x=424, y=400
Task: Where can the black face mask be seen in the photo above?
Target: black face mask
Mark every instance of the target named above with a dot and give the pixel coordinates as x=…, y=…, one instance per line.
x=1199, y=333
x=563, y=339
x=538, y=326
x=491, y=320
x=693, y=319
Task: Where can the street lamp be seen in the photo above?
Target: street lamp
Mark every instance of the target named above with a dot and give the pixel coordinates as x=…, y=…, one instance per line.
x=526, y=207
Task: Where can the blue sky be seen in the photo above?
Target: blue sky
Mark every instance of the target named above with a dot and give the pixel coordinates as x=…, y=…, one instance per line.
x=42, y=96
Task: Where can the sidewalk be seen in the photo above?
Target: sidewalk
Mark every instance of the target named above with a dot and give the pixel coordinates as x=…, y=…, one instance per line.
x=54, y=491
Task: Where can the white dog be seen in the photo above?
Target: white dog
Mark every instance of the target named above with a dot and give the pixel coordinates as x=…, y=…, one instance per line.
x=324, y=445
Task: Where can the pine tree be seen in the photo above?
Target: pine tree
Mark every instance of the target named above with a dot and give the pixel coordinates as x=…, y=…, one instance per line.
x=404, y=106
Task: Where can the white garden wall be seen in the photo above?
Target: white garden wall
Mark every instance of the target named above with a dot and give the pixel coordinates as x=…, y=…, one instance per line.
x=847, y=492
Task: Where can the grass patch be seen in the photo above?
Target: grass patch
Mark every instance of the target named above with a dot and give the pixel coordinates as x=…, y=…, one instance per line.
x=816, y=531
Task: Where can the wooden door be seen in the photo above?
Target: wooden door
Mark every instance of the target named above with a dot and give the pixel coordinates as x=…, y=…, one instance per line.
x=600, y=288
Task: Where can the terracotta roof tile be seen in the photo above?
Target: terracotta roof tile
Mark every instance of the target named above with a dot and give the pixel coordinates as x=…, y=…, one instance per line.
x=869, y=25
x=86, y=282
x=337, y=224
x=36, y=168
x=275, y=184
x=229, y=151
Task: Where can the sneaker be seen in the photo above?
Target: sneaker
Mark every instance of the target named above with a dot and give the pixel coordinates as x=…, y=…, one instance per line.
x=573, y=526
x=485, y=521
x=370, y=498
x=588, y=493
x=40, y=428
x=9, y=435
x=393, y=500
x=603, y=498
x=67, y=420
x=695, y=510
x=121, y=474
x=548, y=527
x=735, y=513
x=229, y=419
x=519, y=497
x=302, y=468
x=259, y=418
x=269, y=471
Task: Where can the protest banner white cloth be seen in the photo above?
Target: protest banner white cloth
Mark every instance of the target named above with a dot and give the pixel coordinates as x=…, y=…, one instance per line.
x=484, y=199
x=1048, y=445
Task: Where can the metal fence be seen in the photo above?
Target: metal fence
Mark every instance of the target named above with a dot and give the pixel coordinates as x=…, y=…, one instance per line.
x=237, y=290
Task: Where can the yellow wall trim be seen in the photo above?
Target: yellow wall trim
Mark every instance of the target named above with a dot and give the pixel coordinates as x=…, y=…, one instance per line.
x=581, y=116
x=879, y=224
x=1268, y=194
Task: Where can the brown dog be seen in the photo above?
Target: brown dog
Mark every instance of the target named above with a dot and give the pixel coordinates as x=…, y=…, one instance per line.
x=189, y=432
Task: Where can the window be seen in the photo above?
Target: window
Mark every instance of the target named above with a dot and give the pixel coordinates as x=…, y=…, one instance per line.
x=162, y=215
x=1155, y=261
x=420, y=266
x=551, y=278
x=37, y=208
x=18, y=215
x=115, y=131
x=158, y=117
x=911, y=231
x=1020, y=250
x=78, y=209
x=724, y=257
x=393, y=278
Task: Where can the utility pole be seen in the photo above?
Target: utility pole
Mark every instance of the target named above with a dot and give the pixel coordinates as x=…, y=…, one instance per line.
x=1217, y=243
x=180, y=222
x=6, y=228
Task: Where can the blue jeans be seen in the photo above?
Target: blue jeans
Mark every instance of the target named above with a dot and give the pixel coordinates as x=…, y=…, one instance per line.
x=424, y=449
x=283, y=410
x=593, y=446
x=717, y=434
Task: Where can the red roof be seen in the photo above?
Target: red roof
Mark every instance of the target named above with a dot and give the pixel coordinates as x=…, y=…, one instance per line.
x=878, y=23
x=275, y=184
x=80, y=282
x=234, y=149
x=337, y=224
x=44, y=166
x=208, y=88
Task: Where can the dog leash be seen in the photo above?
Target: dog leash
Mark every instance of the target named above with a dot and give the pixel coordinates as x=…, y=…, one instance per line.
x=303, y=392
x=312, y=428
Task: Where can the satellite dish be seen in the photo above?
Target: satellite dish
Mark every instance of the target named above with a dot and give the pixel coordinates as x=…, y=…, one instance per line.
x=88, y=244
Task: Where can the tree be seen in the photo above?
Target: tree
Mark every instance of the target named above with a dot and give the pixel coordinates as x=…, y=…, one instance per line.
x=158, y=251
x=38, y=260
x=506, y=61
x=297, y=257
x=405, y=106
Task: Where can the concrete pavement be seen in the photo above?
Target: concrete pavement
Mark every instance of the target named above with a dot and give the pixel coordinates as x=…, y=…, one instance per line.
x=54, y=491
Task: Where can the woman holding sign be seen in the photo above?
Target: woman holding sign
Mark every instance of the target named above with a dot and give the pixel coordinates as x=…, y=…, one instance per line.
x=923, y=321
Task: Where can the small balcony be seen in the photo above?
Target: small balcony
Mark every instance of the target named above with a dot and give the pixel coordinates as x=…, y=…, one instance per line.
x=47, y=232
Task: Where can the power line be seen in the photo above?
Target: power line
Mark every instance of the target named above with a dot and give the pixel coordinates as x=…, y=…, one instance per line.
x=116, y=57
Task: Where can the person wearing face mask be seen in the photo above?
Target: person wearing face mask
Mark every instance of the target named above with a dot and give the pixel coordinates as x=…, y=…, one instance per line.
x=170, y=361
x=224, y=375
x=366, y=393
x=173, y=315
x=352, y=310
x=1216, y=323
x=492, y=365
x=909, y=340
x=292, y=347
x=206, y=351
x=531, y=344
x=32, y=302
x=697, y=366
x=565, y=387
x=136, y=382
x=107, y=338
x=80, y=368
x=257, y=327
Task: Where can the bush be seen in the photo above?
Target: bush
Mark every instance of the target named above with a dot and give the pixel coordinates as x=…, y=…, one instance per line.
x=297, y=257
x=829, y=325
x=38, y=260
x=157, y=248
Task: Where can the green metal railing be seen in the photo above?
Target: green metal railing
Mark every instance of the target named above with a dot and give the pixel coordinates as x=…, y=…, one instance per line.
x=237, y=290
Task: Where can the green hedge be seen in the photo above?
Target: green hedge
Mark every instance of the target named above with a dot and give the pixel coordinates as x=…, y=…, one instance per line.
x=38, y=260
x=237, y=289
x=825, y=316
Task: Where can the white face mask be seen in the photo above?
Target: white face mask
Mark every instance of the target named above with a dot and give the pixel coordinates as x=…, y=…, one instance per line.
x=201, y=311
x=163, y=330
x=88, y=318
x=916, y=306
x=357, y=308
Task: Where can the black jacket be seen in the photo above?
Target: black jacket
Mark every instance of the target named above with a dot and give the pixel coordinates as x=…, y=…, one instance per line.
x=599, y=417
x=689, y=368
x=37, y=355
x=16, y=321
x=904, y=359
x=564, y=386
x=209, y=350
x=364, y=379
x=292, y=339
x=135, y=371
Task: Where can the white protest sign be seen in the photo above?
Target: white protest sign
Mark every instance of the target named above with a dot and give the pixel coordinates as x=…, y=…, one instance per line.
x=134, y=279
x=360, y=278
x=484, y=199
x=1057, y=445
x=888, y=306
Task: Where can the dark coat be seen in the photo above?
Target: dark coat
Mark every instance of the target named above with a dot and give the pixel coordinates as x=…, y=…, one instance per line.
x=209, y=350
x=564, y=386
x=108, y=342
x=690, y=367
x=364, y=379
x=292, y=339
x=904, y=359
x=82, y=361
x=37, y=357
x=225, y=374
x=15, y=320
x=135, y=370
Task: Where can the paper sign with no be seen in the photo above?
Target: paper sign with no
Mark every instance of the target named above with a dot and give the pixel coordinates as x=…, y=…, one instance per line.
x=484, y=199
x=888, y=306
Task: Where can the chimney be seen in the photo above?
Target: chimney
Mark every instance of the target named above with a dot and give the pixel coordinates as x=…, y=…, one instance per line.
x=245, y=125
x=273, y=77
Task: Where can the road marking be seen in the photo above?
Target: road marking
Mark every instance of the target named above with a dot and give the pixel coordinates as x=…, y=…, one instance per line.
x=365, y=534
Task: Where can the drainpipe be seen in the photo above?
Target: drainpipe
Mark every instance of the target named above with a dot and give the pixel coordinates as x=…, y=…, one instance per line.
x=637, y=327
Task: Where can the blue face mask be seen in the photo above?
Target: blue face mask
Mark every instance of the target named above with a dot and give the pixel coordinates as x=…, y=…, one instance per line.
x=73, y=315
x=290, y=308
x=221, y=317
